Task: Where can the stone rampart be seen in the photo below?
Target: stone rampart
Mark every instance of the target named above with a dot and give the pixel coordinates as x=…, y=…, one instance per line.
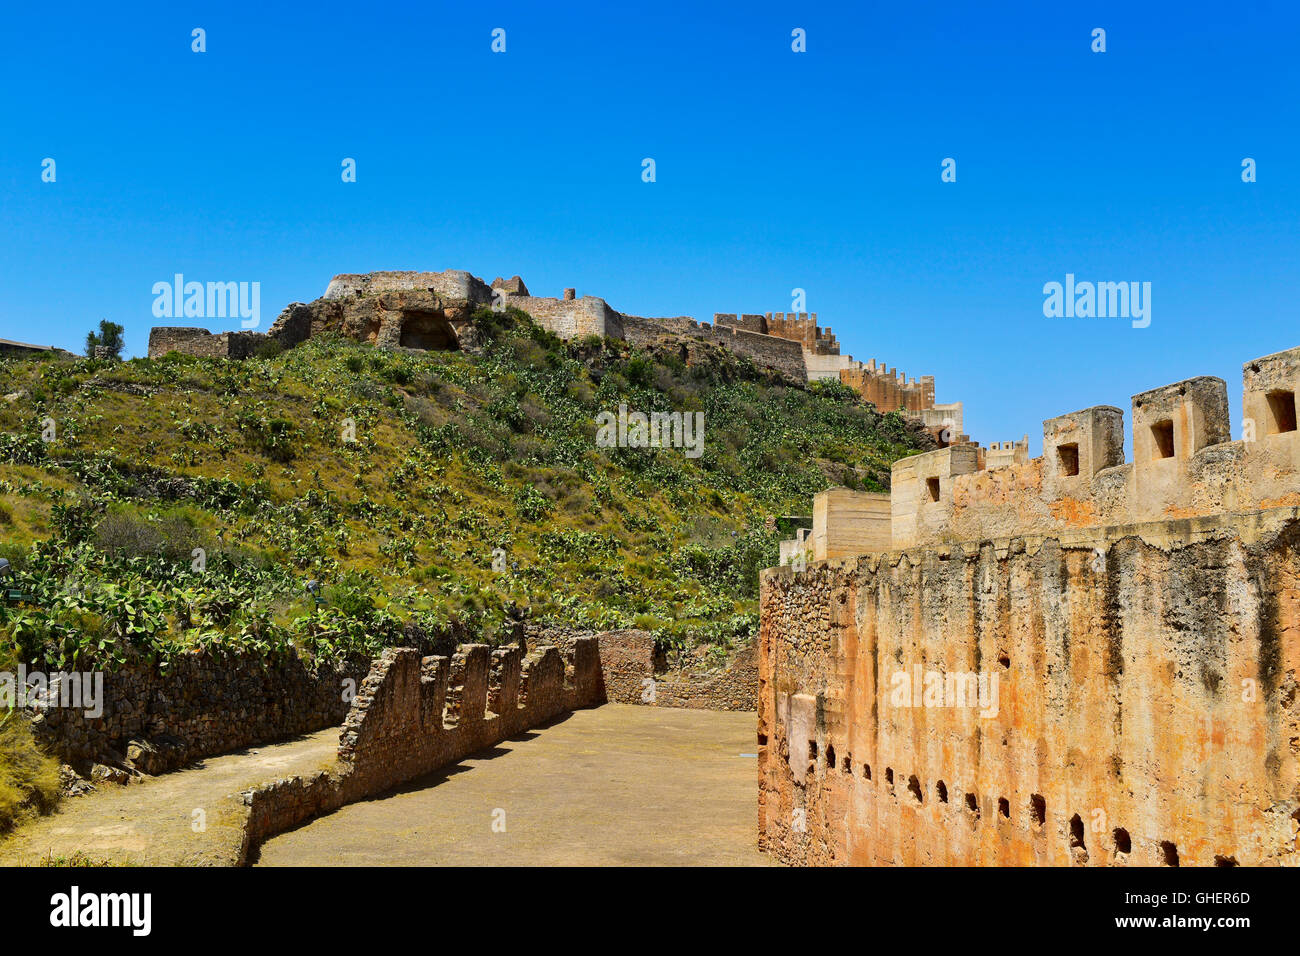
x=413, y=715
x=766, y=351
x=1103, y=696
x=633, y=671
x=433, y=310
x=1185, y=463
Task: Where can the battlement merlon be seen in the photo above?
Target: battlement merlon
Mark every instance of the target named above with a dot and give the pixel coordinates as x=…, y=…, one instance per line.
x=1185, y=464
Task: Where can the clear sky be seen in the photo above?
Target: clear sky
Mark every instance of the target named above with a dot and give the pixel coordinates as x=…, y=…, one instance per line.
x=775, y=170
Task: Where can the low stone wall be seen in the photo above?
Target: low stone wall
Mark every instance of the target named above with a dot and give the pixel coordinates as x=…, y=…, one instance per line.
x=413, y=715
x=155, y=720
x=204, y=344
x=633, y=672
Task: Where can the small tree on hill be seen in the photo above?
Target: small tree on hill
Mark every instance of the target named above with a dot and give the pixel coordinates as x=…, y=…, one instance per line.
x=108, y=338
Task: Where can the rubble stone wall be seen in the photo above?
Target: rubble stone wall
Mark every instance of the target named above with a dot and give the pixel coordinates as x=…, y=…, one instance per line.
x=413, y=715
x=159, y=718
x=632, y=671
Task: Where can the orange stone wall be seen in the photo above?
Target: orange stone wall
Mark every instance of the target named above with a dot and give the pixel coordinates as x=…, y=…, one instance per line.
x=1083, y=481
x=1146, y=712
x=887, y=389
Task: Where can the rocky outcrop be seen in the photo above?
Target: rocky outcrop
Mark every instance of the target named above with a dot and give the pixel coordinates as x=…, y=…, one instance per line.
x=418, y=310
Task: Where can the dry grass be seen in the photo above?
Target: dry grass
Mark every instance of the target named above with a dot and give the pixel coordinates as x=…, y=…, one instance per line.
x=29, y=780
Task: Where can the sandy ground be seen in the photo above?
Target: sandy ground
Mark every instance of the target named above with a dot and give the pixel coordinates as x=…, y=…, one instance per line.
x=153, y=823
x=617, y=785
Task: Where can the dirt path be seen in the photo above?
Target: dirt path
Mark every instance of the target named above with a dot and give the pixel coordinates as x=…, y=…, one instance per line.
x=153, y=823
x=615, y=785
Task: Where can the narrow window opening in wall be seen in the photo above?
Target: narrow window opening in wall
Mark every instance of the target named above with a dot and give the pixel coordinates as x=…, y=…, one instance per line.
x=1076, y=831
x=1123, y=843
x=1068, y=457
x=866, y=770
x=932, y=486
x=847, y=765
x=762, y=740
x=1170, y=853
x=1281, y=412
x=1004, y=807
x=942, y=789
x=889, y=776
x=1162, y=439
x=812, y=749
x=1038, y=808
x=830, y=756
x=1225, y=861
x=972, y=804
x=914, y=786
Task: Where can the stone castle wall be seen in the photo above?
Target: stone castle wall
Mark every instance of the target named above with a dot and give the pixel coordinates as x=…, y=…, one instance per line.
x=432, y=310
x=1064, y=660
x=571, y=318
x=798, y=327
x=1185, y=463
x=413, y=715
x=889, y=389
x=1140, y=687
x=766, y=351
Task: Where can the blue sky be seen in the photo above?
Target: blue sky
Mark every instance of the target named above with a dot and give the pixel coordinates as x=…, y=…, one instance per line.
x=775, y=170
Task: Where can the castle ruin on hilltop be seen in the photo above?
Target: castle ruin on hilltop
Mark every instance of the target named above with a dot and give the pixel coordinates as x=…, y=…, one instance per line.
x=433, y=310
x=1069, y=660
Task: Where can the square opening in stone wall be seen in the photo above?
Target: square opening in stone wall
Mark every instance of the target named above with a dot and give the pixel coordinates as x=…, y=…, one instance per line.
x=1281, y=412
x=932, y=486
x=1068, y=458
x=1162, y=439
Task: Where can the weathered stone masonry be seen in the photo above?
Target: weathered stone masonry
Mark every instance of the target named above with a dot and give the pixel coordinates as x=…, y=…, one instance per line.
x=633, y=672
x=156, y=719
x=413, y=715
x=1141, y=626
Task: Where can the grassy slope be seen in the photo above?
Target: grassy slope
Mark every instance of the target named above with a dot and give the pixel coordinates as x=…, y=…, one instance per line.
x=455, y=454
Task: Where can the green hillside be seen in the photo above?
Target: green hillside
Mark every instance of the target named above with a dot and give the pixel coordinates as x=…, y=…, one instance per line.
x=455, y=454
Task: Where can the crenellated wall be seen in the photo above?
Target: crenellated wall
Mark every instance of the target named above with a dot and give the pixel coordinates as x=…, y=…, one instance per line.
x=889, y=389
x=1067, y=660
x=798, y=327
x=413, y=715
x=1184, y=463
